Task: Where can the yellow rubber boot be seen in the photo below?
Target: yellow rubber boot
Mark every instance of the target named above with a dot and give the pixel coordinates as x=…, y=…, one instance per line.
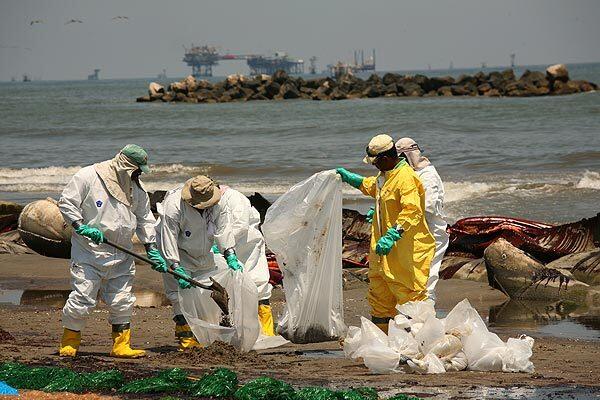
x=265, y=316
x=121, y=336
x=69, y=343
x=383, y=327
x=382, y=323
x=186, y=338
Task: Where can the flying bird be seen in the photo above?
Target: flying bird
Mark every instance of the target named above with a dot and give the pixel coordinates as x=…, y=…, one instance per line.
x=36, y=21
x=120, y=18
x=72, y=21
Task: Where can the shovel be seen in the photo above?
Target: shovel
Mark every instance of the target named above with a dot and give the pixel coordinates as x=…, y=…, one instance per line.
x=219, y=294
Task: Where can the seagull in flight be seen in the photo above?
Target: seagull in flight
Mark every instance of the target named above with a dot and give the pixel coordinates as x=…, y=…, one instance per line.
x=121, y=18
x=72, y=21
x=36, y=21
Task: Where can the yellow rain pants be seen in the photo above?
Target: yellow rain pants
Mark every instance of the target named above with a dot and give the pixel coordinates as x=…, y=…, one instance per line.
x=402, y=275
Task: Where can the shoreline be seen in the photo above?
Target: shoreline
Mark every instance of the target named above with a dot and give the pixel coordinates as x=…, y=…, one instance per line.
x=37, y=331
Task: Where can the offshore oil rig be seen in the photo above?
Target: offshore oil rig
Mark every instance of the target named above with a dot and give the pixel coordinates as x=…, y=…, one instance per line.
x=360, y=64
x=202, y=59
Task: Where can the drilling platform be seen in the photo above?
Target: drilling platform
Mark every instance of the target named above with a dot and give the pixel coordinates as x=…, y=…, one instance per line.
x=360, y=64
x=202, y=59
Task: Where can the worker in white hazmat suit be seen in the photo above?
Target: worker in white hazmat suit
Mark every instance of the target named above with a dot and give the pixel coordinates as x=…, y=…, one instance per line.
x=190, y=221
x=250, y=249
x=106, y=200
x=434, y=205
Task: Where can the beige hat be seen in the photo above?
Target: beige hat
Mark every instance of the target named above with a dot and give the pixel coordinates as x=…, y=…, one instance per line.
x=200, y=192
x=378, y=145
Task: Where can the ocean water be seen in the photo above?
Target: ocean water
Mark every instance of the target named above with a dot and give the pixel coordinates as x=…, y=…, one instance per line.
x=536, y=158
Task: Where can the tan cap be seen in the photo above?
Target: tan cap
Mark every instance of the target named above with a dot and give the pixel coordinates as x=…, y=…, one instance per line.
x=378, y=145
x=200, y=192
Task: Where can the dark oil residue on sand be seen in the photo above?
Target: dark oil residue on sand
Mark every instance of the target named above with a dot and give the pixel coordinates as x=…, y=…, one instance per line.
x=218, y=353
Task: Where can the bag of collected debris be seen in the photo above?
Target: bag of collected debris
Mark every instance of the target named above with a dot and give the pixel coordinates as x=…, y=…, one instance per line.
x=304, y=230
x=417, y=341
x=204, y=316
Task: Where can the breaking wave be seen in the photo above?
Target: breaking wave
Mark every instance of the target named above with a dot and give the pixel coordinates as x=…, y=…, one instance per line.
x=590, y=180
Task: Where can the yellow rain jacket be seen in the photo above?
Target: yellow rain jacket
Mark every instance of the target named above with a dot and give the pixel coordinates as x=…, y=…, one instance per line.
x=402, y=275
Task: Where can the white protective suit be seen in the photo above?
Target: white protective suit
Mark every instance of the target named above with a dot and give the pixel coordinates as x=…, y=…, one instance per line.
x=434, y=206
x=185, y=236
x=249, y=241
x=100, y=269
x=434, y=215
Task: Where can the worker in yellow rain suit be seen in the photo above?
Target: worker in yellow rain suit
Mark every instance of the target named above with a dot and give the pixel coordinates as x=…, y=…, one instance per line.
x=401, y=245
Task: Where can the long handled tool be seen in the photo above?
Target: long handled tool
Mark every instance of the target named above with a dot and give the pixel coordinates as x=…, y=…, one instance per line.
x=219, y=294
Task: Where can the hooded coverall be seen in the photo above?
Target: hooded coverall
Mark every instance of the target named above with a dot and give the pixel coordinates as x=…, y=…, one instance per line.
x=402, y=275
x=101, y=269
x=250, y=249
x=434, y=215
x=185, y=236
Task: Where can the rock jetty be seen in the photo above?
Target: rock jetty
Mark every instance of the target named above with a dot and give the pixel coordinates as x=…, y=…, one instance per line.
x=281, y=86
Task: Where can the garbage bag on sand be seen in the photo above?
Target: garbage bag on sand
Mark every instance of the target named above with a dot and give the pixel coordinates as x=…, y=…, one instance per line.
x=417, y=341
x=304, y=230
x=204, y=316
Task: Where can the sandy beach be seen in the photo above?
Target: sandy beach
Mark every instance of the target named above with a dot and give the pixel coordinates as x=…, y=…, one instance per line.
x=560, y=364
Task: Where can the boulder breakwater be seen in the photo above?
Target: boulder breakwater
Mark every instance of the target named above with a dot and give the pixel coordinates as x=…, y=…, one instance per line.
x=280, y=86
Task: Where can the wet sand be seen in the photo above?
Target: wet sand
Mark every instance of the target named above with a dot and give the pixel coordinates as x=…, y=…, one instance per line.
x=36, y=328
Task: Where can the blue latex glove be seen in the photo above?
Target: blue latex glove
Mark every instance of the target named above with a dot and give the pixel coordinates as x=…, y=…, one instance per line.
x=215, y=249
x=94, y=234
x=370, y=215
x=233, y=263
x=355, y=180
x=182, y=283
x=387, y=241
x=160, y=264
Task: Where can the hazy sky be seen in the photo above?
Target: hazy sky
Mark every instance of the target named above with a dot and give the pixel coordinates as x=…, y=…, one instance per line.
x=406, y=34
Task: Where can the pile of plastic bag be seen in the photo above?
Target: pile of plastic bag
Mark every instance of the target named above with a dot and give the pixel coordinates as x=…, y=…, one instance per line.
x=417, y=341
x=304, y=230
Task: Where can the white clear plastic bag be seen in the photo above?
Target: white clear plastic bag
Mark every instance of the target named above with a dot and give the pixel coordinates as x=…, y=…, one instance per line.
x=304, y=230
x=519, y=352
x=430, y=364
x=464, y=320
x=431, y=331
x=417, y=311
x=380, y=359
x=203, y=315
x=402, y=341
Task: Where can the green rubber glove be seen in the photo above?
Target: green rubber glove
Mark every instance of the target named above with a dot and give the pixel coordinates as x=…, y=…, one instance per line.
x=94, y=234
x=182, y=283
x=355, y=180
x=215, y=249
x=387, y=241
x=370, y=215
x=233, y=263
x=160, y=264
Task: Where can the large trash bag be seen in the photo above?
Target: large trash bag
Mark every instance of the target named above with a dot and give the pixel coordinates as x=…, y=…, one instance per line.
x=304, y=230
x=204, y=316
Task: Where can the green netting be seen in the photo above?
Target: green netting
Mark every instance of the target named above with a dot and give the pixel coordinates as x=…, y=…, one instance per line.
x=21, y=376
x=363, y=393
x=265, y=388
x=404, y=397
x=167, y=381
x=219, y=384
x=87, y=382
x=55, y=379
x=316, y=393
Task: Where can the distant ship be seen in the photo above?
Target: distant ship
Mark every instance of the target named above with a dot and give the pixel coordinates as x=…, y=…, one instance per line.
x=26, y=78
x=162, y=75
x=94, y=76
